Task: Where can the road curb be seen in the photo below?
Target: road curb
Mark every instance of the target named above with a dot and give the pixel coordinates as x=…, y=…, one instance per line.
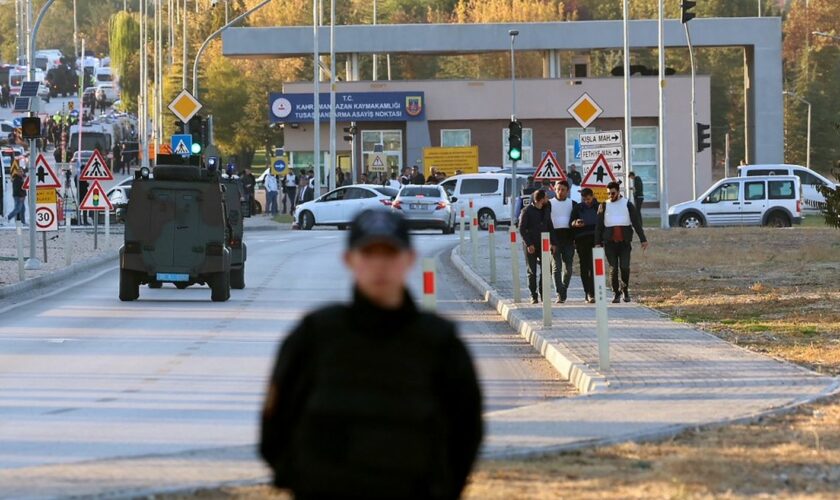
x=574, y=369
x=60, y=275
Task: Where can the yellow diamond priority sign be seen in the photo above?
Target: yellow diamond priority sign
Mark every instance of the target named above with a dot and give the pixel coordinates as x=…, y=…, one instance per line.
x=585, y=110
x=185, y=106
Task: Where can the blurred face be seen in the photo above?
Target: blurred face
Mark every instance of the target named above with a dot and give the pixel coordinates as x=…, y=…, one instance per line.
x=588, y=199
x=380, y=272
x=561, y=190
x=614, y=194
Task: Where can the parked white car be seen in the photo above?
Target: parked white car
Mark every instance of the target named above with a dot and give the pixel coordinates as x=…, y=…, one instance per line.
x=812, y=199
x=340, y=206
x=491, y=195
x=773, y=200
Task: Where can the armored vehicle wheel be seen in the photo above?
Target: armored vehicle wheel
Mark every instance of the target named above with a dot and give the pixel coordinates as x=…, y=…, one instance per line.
x=237, y=278
x=181, y=286
x=155, y=284
x=220, y=286
x=129, y=286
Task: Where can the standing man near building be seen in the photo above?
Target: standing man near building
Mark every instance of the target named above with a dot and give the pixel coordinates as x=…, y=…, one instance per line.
x=638, y=191
x=617, y=218
x=306, y=192
x=249, y=183
x=561, y=215
x=534, y=220
x=574, y=175
x=417, y=176
x=584, y=219
x=374, y=399
x=290, y=184
x=271, y=194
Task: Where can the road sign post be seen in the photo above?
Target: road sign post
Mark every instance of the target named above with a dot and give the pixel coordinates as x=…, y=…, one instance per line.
x=514, y=267
x=599, y=267
x=461, y=231
x=491, y=230
x=473, y=235
x=429, y=285
x=97, y=201
x=545, y=276
x=21, y=265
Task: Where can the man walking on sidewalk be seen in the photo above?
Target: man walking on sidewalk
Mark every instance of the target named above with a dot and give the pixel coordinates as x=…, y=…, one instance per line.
x=561, y=214
x=534, y=220
x=584, y=220
x=617, y=218
x=373, y=399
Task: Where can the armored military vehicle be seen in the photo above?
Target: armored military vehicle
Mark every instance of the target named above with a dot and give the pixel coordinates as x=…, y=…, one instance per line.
x=234, y=195
x=176, y=231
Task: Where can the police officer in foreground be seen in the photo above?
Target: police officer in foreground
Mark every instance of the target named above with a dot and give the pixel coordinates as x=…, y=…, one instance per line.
x=374, y=399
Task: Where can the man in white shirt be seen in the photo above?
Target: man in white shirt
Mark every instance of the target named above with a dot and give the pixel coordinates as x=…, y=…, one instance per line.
x=271, y=194
x=564, y=254
x=393, y=182
x=289, y=190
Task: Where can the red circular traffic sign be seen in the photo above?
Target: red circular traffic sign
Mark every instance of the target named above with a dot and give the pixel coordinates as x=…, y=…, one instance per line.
x=44, y=217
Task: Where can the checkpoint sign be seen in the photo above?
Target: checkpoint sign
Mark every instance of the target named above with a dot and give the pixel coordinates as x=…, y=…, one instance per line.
x=44, y=174
x=96, y=199
x=96, y=169
x=185, y=106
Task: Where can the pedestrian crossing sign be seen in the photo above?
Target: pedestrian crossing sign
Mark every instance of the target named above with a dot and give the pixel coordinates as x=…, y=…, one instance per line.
x=181, y=144
x=377, y=163
x=96, y=169
x=549, y=169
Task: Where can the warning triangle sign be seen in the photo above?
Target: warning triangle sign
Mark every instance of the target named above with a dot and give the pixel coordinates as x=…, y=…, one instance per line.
x=96, y=169
x=96, y=199
x=181, y=148
x=549, y=169
x=599, y=175
x=44, y=174
x=377, y=162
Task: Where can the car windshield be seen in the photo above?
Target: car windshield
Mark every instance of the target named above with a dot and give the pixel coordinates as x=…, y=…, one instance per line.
x=386, y=191
x=426, y=192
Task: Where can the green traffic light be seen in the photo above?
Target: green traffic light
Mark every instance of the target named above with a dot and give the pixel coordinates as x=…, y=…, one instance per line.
x=515, y=154
x=195, y=148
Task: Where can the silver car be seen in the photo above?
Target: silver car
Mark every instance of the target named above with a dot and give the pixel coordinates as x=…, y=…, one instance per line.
x=426, y=207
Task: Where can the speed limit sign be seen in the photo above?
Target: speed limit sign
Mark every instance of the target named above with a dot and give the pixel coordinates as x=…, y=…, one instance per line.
x=45, y=217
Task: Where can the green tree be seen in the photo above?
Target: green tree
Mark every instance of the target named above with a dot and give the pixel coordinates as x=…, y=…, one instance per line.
x=124, y=41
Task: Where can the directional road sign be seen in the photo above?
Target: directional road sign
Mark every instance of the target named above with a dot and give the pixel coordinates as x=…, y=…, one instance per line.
x=44, y=174
x=181, y=144
x=590, y=155
x=96, y=199
x=184, y=106
x=96, y=169
x=278, y=166
x=549, y=169
x=601, y=139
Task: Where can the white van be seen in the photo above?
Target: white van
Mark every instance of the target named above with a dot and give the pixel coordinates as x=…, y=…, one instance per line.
x=490, y=194
x=772, y=200
x=812, y=199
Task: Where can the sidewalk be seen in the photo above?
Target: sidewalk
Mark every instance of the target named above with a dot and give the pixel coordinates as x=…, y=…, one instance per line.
x=264, y=223
x=664, y=376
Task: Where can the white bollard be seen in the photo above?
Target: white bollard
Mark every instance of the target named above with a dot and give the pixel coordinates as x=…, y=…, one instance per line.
x=545, y=275
x=107, y=228
x=463, y=219
x=21, y=265
x=68, y=251
x=474, y=235
x=514, y=266
x=599, y=267
x=429, y=285
x=491, y=230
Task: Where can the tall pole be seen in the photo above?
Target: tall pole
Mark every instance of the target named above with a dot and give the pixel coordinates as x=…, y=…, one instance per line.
x=76, y=34
x=144, y=109
x=628, y=117
x=808, y=140
x=332, y=96
x=726, y=158
x=663, y=178
x=375, y=56
x=693, y=114
x=513, y=183
x=171, y=31
x=184, y=50
x=155, y=116
x=316, y=97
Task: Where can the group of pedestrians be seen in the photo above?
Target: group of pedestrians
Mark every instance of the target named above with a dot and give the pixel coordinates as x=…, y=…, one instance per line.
x=296, y=189
x=580, y=227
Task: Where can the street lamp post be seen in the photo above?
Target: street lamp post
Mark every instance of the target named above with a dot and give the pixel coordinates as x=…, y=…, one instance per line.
x=825, y=35
x=513, y=34
x=808, y=139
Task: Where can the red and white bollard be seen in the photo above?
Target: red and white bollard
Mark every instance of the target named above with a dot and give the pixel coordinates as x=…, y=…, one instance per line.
x=463, y=221
x=599, y=266
x=429, y=285
x=491, y=230
x=514, y=266
x=473, y=235
x=545, y=275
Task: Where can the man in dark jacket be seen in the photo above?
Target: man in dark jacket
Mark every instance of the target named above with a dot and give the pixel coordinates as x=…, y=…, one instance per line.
x=584, y=219
x=534, y=220
x=638, y=191
x=417, y=176
x=617, y=218
x=375, y=399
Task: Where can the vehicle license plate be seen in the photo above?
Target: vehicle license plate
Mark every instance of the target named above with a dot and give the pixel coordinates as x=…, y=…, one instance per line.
x=172, y=277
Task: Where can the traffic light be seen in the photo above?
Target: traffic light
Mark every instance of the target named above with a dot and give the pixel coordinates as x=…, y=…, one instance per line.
x=515, y=140
x=198, y=132
x=30, y=127
x=179, y=127
x=704, y=137
x=349, y=133
x=686, y=6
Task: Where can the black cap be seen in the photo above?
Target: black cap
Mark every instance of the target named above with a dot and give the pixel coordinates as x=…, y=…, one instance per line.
x=379, y=226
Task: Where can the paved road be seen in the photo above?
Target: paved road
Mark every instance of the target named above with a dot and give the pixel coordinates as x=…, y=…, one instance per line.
x=84, y=377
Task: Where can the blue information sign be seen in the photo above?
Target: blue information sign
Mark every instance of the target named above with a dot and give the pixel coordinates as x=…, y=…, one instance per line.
x=577, y=149
x=181, y=144
x=280, y=166
x=349, y=106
